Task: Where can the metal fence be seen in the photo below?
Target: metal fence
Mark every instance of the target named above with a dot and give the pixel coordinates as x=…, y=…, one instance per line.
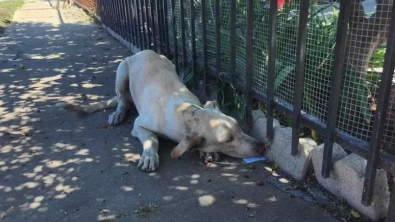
x=327, y=64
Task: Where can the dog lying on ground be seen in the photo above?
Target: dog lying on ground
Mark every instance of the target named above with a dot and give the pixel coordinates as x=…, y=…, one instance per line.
x=168, y=109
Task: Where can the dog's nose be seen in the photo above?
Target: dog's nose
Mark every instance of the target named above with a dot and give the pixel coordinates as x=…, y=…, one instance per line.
x=260, y=147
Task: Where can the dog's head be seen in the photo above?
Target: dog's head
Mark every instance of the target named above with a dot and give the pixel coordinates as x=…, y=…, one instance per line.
x=213, y=131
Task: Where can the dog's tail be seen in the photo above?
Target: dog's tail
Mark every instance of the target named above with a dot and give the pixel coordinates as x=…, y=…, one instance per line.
x=89, y=108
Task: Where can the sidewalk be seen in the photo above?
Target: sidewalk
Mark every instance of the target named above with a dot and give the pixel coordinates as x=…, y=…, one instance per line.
x=57, y=166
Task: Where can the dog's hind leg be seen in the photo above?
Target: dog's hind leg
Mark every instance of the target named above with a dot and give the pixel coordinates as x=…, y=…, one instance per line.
x=149, y=160
x=123, y=94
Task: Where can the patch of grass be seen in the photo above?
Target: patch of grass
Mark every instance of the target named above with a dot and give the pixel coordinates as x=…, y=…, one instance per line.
x=7, y=10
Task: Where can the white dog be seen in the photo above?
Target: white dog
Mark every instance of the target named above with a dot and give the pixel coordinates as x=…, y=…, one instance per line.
x=168, y=109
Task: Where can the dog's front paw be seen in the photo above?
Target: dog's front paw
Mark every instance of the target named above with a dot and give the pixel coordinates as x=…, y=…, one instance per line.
x=116, y=118
x=209, y=156
x=148, y=162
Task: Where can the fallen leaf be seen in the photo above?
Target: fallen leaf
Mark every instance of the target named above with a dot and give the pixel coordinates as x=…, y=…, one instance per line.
x=355, y=214
x=275, y=165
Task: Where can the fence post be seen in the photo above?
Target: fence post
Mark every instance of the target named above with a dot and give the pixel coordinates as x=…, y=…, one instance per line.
x=193, y=42
x=184, y=48
x=160, y=25
x=143, y=24
x=218, y=46
x=272, y=68
x=204, y=41
x=337, y=73
x=381, y=114
x=232, y=42
x=249, y=52
x=139, y=24
x=173, y=19
x=166, y=22
x=391, y=206
x=153, y=25
x=148, y=23
x=299, y=75
x=129, y=23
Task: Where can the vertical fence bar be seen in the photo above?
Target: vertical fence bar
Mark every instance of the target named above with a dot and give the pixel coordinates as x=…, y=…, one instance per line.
x=130, y=13
x=110, y=17
x=391, y=206
x=143, y=20
x=108, y=11
x=113, y=16
x=153, y=25
x=105, y=10
x=381, y=114
x=123, y=19
x=299, y=75
x=174, y=23
x=148, y=23
x=135, y=25
x=103, y=6
x=127, y=22
x=138, y=27
x=100, y=5
x=118, y=18
x=184, y=47
x=232, y=41
x=271, y=67
x=166, y=21
x=218, y=46
x=336, y=81
x=193, y=38
x=249, y=37
x=139, y=24
x=204, y=40
x=160, y=25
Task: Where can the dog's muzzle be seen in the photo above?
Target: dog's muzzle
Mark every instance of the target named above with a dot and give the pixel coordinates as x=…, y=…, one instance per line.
x=260, y=147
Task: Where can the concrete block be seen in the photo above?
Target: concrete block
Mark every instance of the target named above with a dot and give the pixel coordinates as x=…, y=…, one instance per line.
x=280, y=151
x=317, y=155
x=347, y=178
x=259, y=128
x=351, y=175
x=257, y=114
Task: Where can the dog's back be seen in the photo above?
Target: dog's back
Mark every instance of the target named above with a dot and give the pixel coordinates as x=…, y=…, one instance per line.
x=153, y=79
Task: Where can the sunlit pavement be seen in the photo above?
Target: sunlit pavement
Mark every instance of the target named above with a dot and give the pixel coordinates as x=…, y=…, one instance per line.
x=58, y=166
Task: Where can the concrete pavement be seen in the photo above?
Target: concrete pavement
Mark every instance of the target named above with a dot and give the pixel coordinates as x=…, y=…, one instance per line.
x=58, y=166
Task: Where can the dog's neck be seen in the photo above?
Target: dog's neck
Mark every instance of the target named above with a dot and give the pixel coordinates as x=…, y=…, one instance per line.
x=191, y=118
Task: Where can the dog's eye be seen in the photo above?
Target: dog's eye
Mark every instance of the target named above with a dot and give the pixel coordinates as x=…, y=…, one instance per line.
x=229, y=139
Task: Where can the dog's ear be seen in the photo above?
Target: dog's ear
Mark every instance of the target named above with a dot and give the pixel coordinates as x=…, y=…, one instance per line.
x=211, y=105
x=185, y=145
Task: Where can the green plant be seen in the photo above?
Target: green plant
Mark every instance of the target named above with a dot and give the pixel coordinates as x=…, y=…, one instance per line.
x=320, y=47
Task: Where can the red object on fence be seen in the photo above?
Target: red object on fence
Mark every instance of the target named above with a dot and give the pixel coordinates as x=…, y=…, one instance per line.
x=280, y=3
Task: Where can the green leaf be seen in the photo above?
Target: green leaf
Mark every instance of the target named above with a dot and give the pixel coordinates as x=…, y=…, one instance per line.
x=355, y=214
x=289, y=121
x=362, y=101
x=275, y=165
x=358, y=94
x=315, y=135
x=287, y=70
